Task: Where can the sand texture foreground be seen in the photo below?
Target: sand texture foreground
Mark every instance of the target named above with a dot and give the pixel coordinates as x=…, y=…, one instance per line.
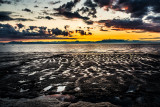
x=79, y=80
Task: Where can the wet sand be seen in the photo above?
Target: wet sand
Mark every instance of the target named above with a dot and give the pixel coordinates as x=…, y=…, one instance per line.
x=74, y=79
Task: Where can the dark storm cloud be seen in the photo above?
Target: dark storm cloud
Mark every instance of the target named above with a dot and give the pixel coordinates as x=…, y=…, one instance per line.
x=45, y=12
x=46, y=17
x=68, y=6
x=5, y=16
x=137, y=8
x=20, y=25
x=124, y=23
x=9, y=1
x=56, y=31
x=46, y=7
x=89, y=3
x=154, y=19
x=83, y=10
x=89, y=11
x=66, y=11
x=22, y=19
x=131, y=24
x=83, y=33
x=5, y=2
x=33, y=27
x=27, y=10
x=102, y=3
x=89, y=22
x=71, y=15
x=8, y=31
x=92, y=12
x=53, y=3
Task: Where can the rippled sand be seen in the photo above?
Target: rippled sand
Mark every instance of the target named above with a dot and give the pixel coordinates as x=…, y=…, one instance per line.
x=123, y=79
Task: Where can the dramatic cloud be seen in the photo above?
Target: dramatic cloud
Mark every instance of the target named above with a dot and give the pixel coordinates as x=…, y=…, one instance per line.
x=137, y=8
x=66, y=11
x=82, y=32
x=22, y=19
x=46, y=17
x=33, y=27
x=5, y=16
x=46, y=7
x=89, y=11
x=71, y=15
x=68, y=6
x=9, y=1
x=84, y=10
x=20, y=25
x=5, y=2
x=27, y=10
x=154, y=19
x=131, y=24
x=89, y=22
x=89, y=3
x=102, y=3
x=53, y=3
x=8, y=31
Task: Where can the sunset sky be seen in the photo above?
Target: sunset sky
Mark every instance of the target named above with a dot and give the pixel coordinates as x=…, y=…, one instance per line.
x=79, y=20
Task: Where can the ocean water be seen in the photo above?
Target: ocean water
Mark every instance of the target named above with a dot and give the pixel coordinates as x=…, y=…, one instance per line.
x=81, y=48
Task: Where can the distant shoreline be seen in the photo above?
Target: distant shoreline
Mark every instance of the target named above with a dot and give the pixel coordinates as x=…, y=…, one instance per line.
x=73, y=43
x=88, y=42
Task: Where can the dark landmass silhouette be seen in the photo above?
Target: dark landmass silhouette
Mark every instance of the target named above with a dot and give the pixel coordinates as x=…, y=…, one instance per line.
x=85, y=42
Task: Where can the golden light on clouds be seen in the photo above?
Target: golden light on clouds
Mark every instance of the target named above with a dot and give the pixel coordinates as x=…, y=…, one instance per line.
x=87, y=20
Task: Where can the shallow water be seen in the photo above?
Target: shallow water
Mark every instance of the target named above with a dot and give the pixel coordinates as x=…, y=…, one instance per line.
x=77, y=48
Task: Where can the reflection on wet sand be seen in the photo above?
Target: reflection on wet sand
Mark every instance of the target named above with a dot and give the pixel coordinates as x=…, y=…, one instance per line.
x=119, y=78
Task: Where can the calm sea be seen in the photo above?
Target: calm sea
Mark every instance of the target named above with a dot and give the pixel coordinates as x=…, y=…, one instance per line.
x=78, y=48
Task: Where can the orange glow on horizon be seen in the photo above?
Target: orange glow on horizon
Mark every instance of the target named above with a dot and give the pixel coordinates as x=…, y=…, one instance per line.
x=96, y=36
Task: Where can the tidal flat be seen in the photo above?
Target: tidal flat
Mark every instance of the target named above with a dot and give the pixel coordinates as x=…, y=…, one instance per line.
x=47, y=79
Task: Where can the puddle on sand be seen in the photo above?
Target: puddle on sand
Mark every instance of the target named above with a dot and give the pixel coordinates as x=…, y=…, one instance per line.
x=22, y=90
x=22, y=81
x=47, y=88
x=61, y=88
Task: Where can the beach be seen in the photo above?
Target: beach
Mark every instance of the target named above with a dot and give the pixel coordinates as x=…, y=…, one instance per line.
x=72, y=79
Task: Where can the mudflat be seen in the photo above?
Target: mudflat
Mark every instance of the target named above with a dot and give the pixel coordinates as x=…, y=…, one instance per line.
x=74, y=79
